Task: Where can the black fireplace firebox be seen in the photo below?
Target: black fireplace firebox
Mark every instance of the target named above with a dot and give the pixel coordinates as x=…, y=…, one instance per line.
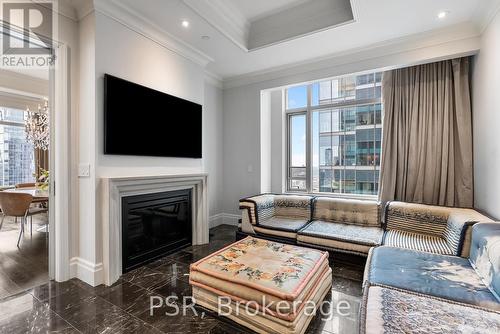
x=154, y=225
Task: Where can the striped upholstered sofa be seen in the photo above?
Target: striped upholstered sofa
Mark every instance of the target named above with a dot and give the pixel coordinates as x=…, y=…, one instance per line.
x=354, y=226
x=434, y=229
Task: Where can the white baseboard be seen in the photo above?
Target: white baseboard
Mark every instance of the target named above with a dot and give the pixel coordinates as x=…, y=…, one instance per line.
x=216, y=220
x=90, y=273
x=223, y=218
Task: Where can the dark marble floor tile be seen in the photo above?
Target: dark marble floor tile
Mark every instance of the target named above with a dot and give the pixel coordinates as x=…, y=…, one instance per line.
x=51, y=289
x=185, y=257
x=347, y=286
x=128, y=297
x=175, y=269
x=348, y=271
x=93, y=314
x=170, y=319
x=177, y=288
x=148, y=278
x=63, y=303
x=126, y=307
x=161, y=261
x=23, y=313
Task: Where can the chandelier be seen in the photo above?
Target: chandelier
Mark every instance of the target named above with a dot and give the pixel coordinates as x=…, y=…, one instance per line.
x=37, y=126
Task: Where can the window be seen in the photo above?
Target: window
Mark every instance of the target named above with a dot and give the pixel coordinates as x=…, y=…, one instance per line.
x=334, y=135
x=17, y=162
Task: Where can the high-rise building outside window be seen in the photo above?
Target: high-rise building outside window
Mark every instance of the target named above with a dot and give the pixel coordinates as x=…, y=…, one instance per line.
x=334, y=135
x=17, y=161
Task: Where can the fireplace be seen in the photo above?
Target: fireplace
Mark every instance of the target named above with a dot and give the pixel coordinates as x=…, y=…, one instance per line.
x=154, y=225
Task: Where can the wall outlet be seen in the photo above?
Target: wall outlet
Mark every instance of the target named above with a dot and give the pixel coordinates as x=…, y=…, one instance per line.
x=250, y=168
x=83, y=170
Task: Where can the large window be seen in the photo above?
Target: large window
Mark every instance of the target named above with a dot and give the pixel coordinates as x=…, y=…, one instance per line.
x=17, y=164
x=334, y=135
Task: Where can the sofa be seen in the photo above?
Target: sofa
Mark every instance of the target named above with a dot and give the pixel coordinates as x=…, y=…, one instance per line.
x=407, y=289
x=354, y=226
x=435, y=229
x=428, y=268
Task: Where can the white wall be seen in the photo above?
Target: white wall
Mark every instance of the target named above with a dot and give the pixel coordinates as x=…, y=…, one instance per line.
x=486, y=117
x=213, y=146
x=106, y=46
x=126, y=54
x=278, y=154
x=242, y=116
x=88, y=236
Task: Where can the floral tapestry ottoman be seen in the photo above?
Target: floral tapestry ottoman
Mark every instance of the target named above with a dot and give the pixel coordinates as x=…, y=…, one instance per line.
x=266, y=286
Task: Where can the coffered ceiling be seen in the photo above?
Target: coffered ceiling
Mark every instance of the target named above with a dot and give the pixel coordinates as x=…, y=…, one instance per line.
x=291, y=32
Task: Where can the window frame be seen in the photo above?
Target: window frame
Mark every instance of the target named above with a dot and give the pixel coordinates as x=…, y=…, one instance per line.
x=308, y=112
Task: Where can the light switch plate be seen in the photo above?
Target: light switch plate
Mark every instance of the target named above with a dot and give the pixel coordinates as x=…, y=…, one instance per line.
x=84, y=170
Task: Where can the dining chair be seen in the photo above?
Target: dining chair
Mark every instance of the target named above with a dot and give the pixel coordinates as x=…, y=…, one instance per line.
x=17, y=206
x=25, y=185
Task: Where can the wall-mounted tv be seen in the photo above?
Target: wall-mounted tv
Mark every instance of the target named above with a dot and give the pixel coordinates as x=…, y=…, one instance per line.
x=145, y=122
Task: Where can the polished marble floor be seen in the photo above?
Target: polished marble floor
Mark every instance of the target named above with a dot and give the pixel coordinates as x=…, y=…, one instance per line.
x=25, y=266
x=75, y=307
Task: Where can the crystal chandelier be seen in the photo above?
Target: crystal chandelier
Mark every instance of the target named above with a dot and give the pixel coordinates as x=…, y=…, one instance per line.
x=37, y=126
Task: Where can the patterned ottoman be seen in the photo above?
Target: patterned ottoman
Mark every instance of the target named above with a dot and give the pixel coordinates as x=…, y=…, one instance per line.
x=266, y=286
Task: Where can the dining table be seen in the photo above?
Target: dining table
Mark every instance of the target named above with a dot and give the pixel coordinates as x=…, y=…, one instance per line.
x=39, y=195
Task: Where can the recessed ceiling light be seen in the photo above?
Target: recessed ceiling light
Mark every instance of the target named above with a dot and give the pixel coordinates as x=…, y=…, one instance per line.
x=442, y=14
x=185, y=23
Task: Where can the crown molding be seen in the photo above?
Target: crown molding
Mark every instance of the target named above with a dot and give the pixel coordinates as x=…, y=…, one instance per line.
x=223, y=16
x=140, y=24
x=213, y=79
x=462, y=39
x=485, y=13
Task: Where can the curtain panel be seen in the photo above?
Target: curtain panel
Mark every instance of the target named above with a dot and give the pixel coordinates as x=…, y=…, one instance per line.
x=427, y=135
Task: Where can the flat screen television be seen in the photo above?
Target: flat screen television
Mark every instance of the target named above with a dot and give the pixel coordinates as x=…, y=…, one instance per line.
x=145, y=122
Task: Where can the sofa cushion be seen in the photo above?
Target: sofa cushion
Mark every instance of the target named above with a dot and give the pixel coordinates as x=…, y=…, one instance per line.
x=293, y=206
x=351, y=211
x=283, y=227
x=442, y=276
x=287, y=224
x=417, y=241
x=485, y=254
x=370, y=236
x=388, y=310
x=417, y=218
x=351, y=238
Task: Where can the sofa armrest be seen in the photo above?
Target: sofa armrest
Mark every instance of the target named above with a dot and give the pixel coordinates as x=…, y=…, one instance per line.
x=458, y=229
x=259, y=208
x=416, y=218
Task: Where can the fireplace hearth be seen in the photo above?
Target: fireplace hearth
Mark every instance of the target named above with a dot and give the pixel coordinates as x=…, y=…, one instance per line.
x=155, y=225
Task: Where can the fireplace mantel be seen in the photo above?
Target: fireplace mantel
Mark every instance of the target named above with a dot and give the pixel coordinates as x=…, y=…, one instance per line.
x=114, y=188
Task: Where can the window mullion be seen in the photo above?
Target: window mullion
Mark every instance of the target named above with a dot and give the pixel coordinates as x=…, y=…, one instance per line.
x=309, y=140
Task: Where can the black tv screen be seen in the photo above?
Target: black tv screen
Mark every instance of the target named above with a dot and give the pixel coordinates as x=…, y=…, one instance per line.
x=145, y=122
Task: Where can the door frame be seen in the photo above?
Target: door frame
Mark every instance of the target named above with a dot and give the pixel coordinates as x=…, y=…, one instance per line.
x=60, y=162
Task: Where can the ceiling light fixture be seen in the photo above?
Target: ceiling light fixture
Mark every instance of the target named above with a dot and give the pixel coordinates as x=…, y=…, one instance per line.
x=442, y=14
x=185, y=23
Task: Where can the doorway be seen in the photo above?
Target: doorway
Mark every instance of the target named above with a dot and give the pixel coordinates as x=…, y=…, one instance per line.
x=25, y=172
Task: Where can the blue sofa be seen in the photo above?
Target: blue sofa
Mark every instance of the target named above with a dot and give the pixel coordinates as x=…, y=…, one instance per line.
x=414, y=291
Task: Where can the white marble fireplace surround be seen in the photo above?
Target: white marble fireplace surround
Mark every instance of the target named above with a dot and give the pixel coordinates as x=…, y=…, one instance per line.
x=115, y=188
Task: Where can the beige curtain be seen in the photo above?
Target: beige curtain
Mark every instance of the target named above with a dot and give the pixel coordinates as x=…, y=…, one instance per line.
x=427, y=135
